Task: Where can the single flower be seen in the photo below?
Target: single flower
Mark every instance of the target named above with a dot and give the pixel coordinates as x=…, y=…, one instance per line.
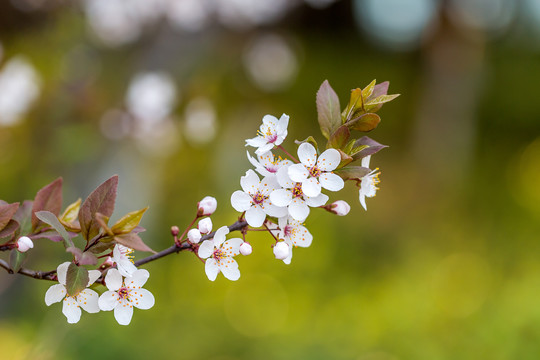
x=207, y=206
x=271, y=133
x=295, y=234
x=24, y=243
x=340, y=207
x=194, y=236
x=255, y=198
x=267, y=164
x=125, y=293
x=124, y=260
x=315, y=171
x=205, y=226
x=86, y=299
x=282, y=250
x=219, y=255
x=368, y=185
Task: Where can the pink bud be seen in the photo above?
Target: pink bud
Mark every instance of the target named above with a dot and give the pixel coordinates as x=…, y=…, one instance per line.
x=281, y=250
x=194, y=236
x=108, y=262
x=24, y=243
x=205, y=226
x=207, y=206
x=245, y=248
x=340, y=208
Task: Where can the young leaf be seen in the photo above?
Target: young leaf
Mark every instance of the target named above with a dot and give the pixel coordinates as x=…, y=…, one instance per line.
x=353, y=172
x=49, y=198
x=100, y=200
x=103, y=245
x=372, y=147
x=49, y=235
x=132, y=241
x=51, y=219
x=356, y=104
x=103, y=222
x=328, y=109
x=16, y=260
x=339, y=138
x=71, y=212
x=345, y=159
x=76, y=279
x=366, y=122
x=83, y=258
x=9, y=229
x=310, y=140
x=6, y=213
x=368, y=90
x=380, y=89
x=23, y=216
x=128, y=222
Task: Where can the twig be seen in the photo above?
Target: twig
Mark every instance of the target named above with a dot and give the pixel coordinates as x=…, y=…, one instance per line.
x=41, y=275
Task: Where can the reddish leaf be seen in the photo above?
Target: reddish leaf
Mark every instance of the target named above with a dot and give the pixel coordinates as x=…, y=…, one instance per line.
x=23, y=216
x=132, y=241
x=366, y=122
x=353, y=172
x=372, y=148
x=328, y=110
x=49, y=198
x=6, y=213
x=339, y=138
x=76, y=279
x=9, y=229
x=100, y=200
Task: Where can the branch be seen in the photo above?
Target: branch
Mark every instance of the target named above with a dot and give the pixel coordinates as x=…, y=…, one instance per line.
x=41, y=275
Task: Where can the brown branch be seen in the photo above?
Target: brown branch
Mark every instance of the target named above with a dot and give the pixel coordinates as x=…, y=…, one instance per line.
x=41, y=275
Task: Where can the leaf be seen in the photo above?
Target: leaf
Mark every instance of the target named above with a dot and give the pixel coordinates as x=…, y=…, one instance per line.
x=339, y=138
x=6, y=213
x=310, y=140
x=23, y=216
x=366, y=122
x=380, y=89
x=103, y=222
x=9, y=229
x=83, y=258
x=345, y=159
x=382, y=99
x=51, y=219
x=100, y=200
x=355, y=105
x=49, y=235
x=49, y=198
x=76, y=279
x=16, y=260
x=372, y=147
x=71, y=212
x=368, y=90
x=328, y=109
x=132, y=241
x=353, y=172
x=104, y=244
x=128, y=222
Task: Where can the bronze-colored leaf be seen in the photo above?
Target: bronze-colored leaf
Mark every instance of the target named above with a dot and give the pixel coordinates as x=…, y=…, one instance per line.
x=101, y=201
x=128, y=222
x=328, y=109
x=49, y=198
x=6, y=213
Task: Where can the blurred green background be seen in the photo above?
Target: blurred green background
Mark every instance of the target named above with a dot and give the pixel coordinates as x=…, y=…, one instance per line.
x=444, y=265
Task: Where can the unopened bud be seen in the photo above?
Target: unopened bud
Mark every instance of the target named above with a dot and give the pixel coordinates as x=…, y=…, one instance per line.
x=207, y=206
x=194, y=236
x=108, y=262
x=281, y=250
x=245, y=248
x=205, y=226
x=175, y=230
x=24, y=244
x=340, y=208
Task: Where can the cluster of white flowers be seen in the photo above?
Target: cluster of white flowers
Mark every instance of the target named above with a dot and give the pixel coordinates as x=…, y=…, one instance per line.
x=124, y=286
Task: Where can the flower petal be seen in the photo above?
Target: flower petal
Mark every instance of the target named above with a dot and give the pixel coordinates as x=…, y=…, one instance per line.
x=282, y=124
x=113, y=279
x=232, y=246
x=138, y=279
x=71, y=310
x=283, y=178
x=297, y=172
x=230, y=269
x=206, y=249
x=126, y=267
x=301, y=236
x=365, y=161
x=255, y=216
x=55, y=294
x=281, y=197
x=329, y=160
x=61, y=272
x=88, y=300
x=257, y=141
x=211, y=268
x=264, y=148
x=307, y=154
x=316, y=201
x=275, y=211
x=268, y=184
x=123, y=312
x=362, y=198
x=108, y=300
x=219, y=235
x=331, y=181
x=142, y=299
x=270, y=120
x=311, y=187
x=250, y=182
x=240, y=201
x=93, y=275
x=298, y=210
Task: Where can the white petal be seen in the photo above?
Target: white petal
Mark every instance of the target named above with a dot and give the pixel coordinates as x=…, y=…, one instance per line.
x=219, y=236
x=93, y=275
x=307, y=154
x=232, y=246
x=282, y=125
x=71, y=310
x=108, y=300
x=331, y=181
x=316, y=201
x=270, y=121
x=61, y=272
x=230, y=269
x=211, y=268
x=240, y=201
x=298, y=210
x=250, y=182
x=88, y=300
x=365, y=161
x=206, y=249
x=283, y=178
x=362, y=198
x=123, y=312
x=298, y=172
x=257, y=141
x=264, y=148
x=55, y=294
x=311, y=187
x=113, y=280
x=255, y=216
x=142, y=299
x=126, y=267
x=275, y=211
x=301, y=236
x=281, y=197
x=329, y=160
x=138, y=279
x=268, y=184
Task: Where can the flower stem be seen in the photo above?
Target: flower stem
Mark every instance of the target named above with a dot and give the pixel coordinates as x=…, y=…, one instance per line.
x=286, y=152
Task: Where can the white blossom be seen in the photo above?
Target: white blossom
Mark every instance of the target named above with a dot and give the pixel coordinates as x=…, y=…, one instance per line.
x=123, y=259
x=282, y=250
x=219, y=254
x=368, y=185
x=207, y=206
x=24, y=243
x=271, y=133
x=205, y=226
x=267, y=164
x=340, y=208
x=245, y=248
x=125, y=293
x=194, y=236
x=294, y=233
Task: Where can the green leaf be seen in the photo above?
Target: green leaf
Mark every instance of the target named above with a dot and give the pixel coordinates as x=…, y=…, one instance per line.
x=49, y=198
x=349, y=147
x=368, y=90
x=103, y=222
x=339, y=138
x=328, y=109
x=366, y=122
x=380, y=89
x=71, y=212
x=128, y=222
x=24, y=216
x=51, y=219
x=76, y=279
x=6, y=213
x=345, y=159
x=354, y=106
x=382, y=99
x=100, y=200
x=369, y=145
x=353, y=172
x=104, y=244
x=16, y=260
x=310, y=140
x=132, y=241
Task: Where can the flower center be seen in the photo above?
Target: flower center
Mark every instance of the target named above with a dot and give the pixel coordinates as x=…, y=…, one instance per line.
x=258, y=198
x=123, y=293
x=315, y=171
x=219, y=254
x=297, y=190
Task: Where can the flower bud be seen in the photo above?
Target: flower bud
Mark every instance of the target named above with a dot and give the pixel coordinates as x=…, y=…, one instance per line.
x=205, y=226
x=24, y=244
x=245, y=248
x=281, y=250
x=340, y=208
x=194, y=236
x=207, y=206
x=175, y=230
